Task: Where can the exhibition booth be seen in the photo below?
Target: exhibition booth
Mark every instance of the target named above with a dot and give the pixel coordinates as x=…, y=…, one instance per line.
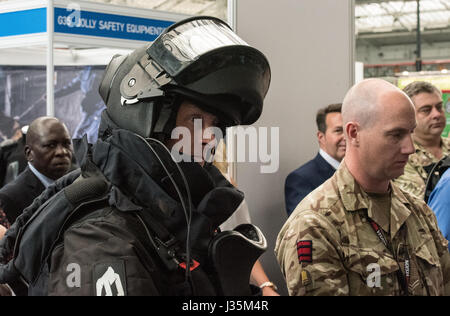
x=53, y=53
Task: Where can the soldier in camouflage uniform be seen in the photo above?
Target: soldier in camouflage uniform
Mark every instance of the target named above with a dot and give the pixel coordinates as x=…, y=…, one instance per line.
x=358, y=233
x=430, y=147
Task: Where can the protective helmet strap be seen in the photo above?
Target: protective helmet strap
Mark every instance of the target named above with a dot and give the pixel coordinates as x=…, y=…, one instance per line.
x=167, y=117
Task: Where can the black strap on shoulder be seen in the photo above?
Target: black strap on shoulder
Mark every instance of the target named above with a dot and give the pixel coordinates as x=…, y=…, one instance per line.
x=86, y=189
x=86, y=195
x=167, y=247
x=435, y=174
x=37, y=238
x=165, y=244
x=446, y=162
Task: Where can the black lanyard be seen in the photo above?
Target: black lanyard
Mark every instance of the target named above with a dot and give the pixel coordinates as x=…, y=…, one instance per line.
x=403, y=278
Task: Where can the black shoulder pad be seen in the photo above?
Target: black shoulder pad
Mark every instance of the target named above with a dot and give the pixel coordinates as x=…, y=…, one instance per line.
x=86, y=189
x=37, y=238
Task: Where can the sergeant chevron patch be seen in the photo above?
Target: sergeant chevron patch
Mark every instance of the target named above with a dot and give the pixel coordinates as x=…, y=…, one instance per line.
x=304, y=251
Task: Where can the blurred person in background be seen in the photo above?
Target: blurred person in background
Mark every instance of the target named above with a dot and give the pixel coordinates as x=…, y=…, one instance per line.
x=429, y=145
x=48, y=151
x=12, y=157
x=330, y=135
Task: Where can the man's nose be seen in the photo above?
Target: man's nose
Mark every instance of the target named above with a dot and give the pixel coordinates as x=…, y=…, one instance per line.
x=408, y=146
x=62, y=150
x=436, y=112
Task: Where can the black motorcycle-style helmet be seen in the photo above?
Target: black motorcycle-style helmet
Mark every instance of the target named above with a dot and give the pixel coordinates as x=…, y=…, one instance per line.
x=199, y=59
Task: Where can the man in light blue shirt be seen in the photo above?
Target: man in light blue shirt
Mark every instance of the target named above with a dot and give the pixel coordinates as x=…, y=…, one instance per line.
x=439, y=202
x=46, y=181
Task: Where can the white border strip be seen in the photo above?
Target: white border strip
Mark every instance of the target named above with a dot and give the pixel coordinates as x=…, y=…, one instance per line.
x=50, y=64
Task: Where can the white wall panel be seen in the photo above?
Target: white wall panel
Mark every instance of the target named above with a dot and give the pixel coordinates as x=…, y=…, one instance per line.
x=310, y=46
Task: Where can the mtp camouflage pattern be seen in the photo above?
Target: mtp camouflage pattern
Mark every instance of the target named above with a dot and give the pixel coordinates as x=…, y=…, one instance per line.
x=347, y=254
x=415, y=176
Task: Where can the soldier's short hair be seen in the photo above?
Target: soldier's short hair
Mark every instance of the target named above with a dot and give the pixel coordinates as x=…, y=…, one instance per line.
x=416, y=87
x=322, y=115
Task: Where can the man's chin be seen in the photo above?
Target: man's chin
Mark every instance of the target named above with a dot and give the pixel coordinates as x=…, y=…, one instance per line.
x=437, y=129
x=397, y=173
x=339, y=157
x=59, y=172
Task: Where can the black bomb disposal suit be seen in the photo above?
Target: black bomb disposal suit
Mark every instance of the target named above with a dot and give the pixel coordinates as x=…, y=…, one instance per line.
x=132, y=221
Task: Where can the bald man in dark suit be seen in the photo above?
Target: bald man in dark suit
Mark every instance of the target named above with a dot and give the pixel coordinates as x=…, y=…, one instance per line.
x=49, y=153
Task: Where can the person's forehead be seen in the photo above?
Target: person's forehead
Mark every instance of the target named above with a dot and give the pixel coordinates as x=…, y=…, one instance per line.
x=392, y=99
x=188, y=108
x=333, y=119
x=53, y=129
x=392, y=102
x=400, y=114
x=333, y=116
x=426, y=98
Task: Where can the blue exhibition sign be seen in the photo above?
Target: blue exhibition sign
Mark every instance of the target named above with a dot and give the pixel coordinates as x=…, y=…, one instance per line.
x=23, y=22
x=108, y=25
x=82, y=22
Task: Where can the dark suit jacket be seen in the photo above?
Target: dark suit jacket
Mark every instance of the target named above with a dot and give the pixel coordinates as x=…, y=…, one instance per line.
x=17, y=195
x=302, y=181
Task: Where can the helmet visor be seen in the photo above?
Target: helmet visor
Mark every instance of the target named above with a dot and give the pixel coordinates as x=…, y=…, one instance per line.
x=184, y=42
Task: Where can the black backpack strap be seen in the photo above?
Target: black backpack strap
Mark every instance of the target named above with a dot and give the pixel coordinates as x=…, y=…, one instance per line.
x=39, y=235
x=86, y=189
x=446, y=163
x=434, y=175
x=165, y=244
x=9, y=240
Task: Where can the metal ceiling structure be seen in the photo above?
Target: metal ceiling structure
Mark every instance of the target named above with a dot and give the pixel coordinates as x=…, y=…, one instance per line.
x=381, y=23
x=217, y=8
x=385, y=30
x=377, y=23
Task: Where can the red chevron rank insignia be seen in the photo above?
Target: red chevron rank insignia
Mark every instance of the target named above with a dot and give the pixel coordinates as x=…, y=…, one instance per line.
x=304, y=251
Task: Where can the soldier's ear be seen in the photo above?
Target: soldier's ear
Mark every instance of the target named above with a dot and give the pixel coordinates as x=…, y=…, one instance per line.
x=352, y=132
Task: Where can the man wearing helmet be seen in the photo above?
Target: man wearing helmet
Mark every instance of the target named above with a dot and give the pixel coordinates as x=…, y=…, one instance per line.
x=136, y=222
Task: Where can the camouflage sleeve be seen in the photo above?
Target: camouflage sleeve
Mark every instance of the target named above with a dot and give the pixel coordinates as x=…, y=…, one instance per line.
x=411, y=181
x=321, y=273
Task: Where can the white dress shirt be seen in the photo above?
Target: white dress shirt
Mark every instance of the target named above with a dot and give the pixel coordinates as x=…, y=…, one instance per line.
x=333, y=162
x=46, y=181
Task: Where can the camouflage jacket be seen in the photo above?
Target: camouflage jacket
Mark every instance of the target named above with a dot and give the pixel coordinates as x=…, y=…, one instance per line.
x=328, y=247
x=415, y=176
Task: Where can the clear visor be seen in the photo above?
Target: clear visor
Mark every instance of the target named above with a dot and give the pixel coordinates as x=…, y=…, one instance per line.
x=187, y=41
